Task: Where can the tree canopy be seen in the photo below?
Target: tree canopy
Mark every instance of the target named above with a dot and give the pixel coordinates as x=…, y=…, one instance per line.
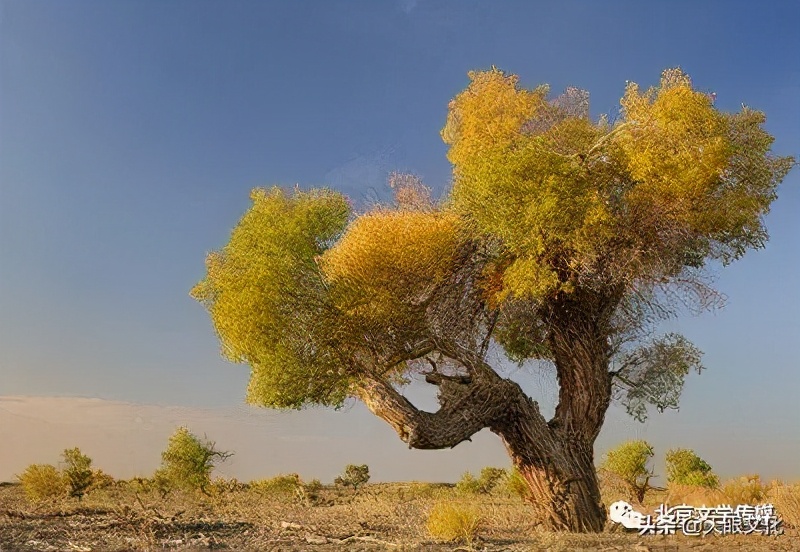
x=546, y=204
x=563, y=240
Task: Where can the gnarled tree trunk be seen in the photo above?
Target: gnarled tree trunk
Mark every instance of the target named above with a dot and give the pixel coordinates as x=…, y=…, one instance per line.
x=555, y=458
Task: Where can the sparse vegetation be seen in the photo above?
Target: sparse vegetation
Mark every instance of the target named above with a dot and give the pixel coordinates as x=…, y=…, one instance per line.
x=281, y=486
x=77, y=472
x=42, y=482
x=484, y=483
x=353, y=476
x=133, y=515
x=630, y=462
x=747, y=489
x=187, y=462
x=453, y=521
x=685, y=467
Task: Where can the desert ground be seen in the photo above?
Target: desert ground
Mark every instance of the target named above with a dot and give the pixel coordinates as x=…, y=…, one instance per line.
x=127, y=515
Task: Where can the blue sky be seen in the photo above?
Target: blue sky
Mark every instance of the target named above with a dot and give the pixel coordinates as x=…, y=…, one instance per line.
x=131, y=133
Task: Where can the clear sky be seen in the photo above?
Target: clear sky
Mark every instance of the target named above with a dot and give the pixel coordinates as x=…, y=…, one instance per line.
x=131, y=133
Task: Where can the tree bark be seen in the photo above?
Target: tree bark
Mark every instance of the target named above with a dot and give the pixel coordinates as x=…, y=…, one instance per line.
x=556, y=458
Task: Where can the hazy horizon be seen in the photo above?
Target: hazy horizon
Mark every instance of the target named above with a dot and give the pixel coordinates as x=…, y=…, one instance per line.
x=131, y=134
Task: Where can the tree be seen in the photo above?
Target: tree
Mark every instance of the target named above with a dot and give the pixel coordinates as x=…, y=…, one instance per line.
x=562, y=241
x=685, y=467
x=77, y=471
x=629, y=462
x=187, y=462
x=353, y=476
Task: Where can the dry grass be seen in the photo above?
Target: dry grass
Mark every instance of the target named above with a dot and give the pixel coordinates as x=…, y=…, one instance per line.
x=453, y=521
x=379, y=517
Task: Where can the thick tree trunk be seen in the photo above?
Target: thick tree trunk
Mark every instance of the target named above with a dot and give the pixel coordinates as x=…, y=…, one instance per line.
x=555, y=458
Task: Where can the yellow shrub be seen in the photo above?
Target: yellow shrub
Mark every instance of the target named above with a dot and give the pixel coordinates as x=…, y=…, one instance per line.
x=453, y=522
x=694, y=495
x=280, y=486
x=43, y=481
x=745, y=490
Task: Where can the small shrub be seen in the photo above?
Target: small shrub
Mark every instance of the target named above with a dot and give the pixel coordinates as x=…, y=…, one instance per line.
x=453, y=522
x=220, y=485
x=187, y=462
x=684, y=467
x=468, y=484
x=77, y=471
x=42, y=482
x=280, y=486
x=517, y=486
x=353, y=476
x=745, y=490
x=693, y=495
x=629, y=462
x=484, y=483
x=100, y=480
x=490, y=478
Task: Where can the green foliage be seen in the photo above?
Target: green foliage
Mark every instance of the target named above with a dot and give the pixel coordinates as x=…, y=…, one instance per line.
x=517, y=486
x=450, y=522
x=484, y=483
x=685, y=467
x=187, y=462
x=77, y=471
x=629, y=461
x=353, y=476
x=654, y=374
x=280, y=486
x=268, y=300
x=42, y=482
x=468, y=484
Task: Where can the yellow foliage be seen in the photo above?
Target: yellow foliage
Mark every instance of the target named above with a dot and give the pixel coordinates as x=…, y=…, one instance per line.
x=671, y=183
x=387, y=258
x=450, y=521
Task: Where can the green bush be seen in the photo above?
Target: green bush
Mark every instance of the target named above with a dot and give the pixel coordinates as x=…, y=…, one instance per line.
x=468, y=484
x=281, y=486
x=484, y=483
x=516, y=485
x=453, y=522
x=77, y=471
x=629, y=462
x=353, y=476
x=187, y=463
x=42, y=482
x=685, y=467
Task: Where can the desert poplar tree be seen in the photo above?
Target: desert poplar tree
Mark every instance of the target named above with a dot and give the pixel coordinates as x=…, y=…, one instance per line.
x=563, y=240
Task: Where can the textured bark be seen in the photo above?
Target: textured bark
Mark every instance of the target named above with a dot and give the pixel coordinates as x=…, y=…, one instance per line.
x=555, y=458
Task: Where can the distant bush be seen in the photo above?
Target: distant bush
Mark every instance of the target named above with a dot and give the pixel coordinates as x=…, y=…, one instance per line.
x=490, y=477
x=281, y=486
x=484, y=483
x=745, y=490
x=77, y=471
x=187, y=462
x=42, y=482
x=220, y=485
x=685, y=467
x=468, y=484
x=629, y=462
x=353, y=476
x=100, y=480
x=516, y=485
x=453, y=522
